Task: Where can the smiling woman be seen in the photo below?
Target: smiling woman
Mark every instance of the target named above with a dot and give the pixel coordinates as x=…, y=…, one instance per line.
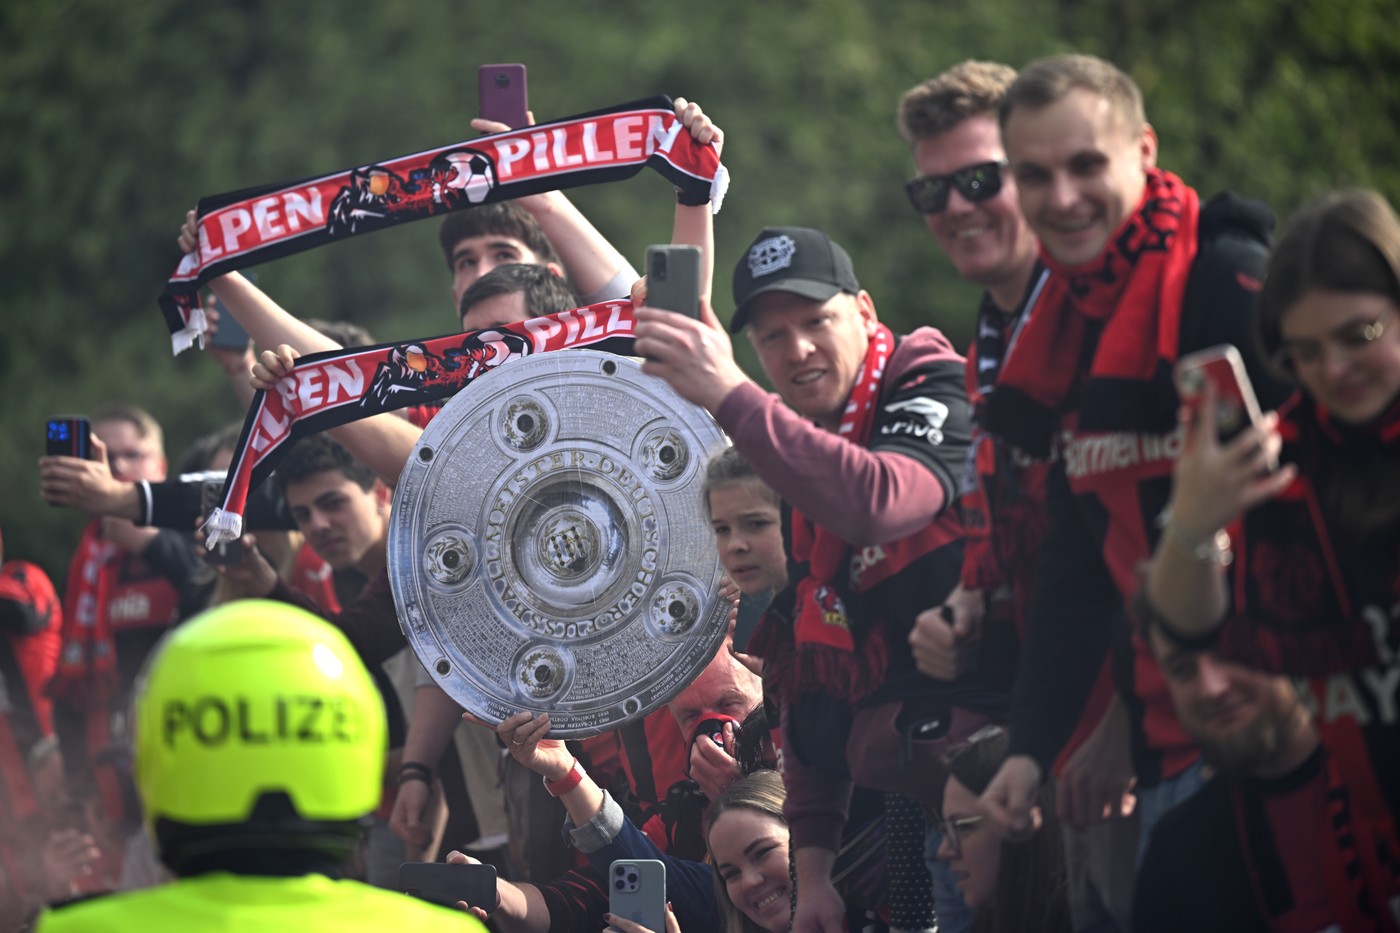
x=748, y=842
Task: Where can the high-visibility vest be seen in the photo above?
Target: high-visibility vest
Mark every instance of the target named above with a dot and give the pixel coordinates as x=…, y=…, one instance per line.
x=219, y=902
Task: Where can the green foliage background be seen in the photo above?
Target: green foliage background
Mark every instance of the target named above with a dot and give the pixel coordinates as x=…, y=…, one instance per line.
x=116, y=117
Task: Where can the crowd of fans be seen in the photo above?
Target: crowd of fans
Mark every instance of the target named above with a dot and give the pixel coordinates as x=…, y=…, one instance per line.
x=1024, y=639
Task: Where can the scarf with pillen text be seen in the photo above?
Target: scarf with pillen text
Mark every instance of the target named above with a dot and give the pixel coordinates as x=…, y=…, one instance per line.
x=324, y=390
x=241, y=229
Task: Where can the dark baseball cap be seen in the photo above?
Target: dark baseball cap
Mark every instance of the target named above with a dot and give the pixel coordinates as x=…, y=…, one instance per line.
x=799, y=260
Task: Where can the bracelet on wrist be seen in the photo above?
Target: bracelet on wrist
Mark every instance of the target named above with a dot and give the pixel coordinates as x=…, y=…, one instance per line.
x=1214, y=549
x=414, y=771
x=566, y=783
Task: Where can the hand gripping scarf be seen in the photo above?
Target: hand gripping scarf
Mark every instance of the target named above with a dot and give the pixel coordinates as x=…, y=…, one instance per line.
x=324, y=390
x=818, y=652
x=244, y=228
x=1133, y=291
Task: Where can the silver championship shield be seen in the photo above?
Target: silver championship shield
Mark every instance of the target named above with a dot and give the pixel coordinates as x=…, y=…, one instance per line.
x=549, y=550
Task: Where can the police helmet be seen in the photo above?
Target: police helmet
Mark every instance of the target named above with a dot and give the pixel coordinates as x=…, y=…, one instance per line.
x=256, y=723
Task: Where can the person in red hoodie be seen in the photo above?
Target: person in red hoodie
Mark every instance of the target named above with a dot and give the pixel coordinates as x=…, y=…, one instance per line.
x=32, y=812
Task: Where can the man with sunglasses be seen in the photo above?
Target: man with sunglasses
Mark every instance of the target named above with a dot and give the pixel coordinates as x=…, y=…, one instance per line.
x=968, y=201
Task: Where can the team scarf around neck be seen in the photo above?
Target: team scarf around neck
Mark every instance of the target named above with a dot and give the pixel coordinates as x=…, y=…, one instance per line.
x=1001, y=503
x=1133, y=291
x=241, y=229
x=819, y=651
x=324, y=390
x=87, y=661
x=1359, y=861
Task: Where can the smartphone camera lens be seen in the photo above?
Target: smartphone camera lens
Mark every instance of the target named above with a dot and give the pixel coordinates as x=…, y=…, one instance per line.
x=502, y=80
x=658, y=265
x=619, y=884
x=632, y=877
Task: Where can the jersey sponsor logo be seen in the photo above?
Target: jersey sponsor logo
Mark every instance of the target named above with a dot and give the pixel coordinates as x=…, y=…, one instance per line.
x=292, y=719
x=917, y=418
x=864, y=559
x=1088, y=455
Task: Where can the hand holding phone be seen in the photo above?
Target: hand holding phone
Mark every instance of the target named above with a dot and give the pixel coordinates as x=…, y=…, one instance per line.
x=501, y=95
x=446, y=883
x=673, y=279
x=1235, y=407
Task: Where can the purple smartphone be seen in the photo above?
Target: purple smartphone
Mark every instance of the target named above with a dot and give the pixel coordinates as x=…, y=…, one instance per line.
x=501, y=94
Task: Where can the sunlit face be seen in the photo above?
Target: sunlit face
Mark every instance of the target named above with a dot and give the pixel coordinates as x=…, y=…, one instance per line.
x=1344, y=347
x=475, y=256
x=340, y=520
x=724, y=686
x=987, y=241
x=132, y=457
x=749, y=536
x=1079, y=169
x=812, y=351
x=497, y=310
x=1239, y=716
x=751, y=857
x=970, y=848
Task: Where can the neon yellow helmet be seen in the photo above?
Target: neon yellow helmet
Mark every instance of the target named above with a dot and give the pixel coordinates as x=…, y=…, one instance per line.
x=255, y=701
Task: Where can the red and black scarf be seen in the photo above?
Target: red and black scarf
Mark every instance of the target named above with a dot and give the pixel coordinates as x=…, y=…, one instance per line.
x=244, y=228
x=1130, y=298
x=324, y=390
x=1001, y=502
x=822, y=649
x=1359, y=858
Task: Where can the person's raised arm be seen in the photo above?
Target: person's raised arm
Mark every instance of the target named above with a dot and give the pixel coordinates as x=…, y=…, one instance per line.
x=382, y=442
x=1212, y=485
x=592, y=263
x=694, y=223
x=267, y=322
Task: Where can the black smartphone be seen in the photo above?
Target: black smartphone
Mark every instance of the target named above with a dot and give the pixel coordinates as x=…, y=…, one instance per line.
x=673, y=279
x=637, y=891
x=502, y=96
x=446, y=884
x=230, y=335
x=225, y=553
x=69, y=437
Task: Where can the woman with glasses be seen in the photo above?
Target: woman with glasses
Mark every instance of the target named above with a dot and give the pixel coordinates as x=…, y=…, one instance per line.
x=1297, y=570
x=1012, y=885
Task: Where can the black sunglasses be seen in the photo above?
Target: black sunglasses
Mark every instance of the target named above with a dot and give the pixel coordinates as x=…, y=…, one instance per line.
x=929, y=194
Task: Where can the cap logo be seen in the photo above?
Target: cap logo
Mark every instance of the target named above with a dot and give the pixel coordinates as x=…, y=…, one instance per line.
x=770, y=255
